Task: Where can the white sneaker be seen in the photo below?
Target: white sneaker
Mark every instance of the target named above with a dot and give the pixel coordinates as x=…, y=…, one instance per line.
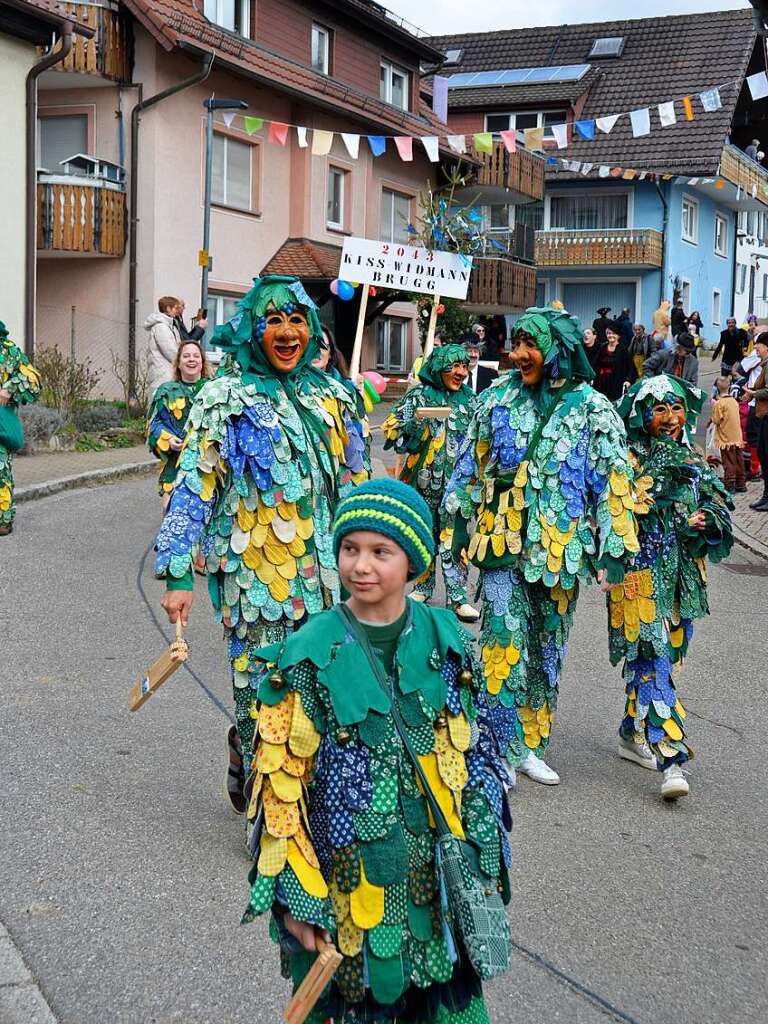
x=638, y=753
x=466, y=613
x=674, y=784
x=538, y=770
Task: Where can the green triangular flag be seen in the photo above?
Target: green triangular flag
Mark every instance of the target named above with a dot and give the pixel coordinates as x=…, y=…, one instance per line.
x=483, y=142
x=253, y=124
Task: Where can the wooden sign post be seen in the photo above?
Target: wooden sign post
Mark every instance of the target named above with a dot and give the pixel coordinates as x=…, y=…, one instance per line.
x=357, y=348
x=429, y=344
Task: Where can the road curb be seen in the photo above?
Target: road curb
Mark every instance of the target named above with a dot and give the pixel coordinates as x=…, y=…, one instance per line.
x=744, y=540
x=93, y=478
x=21, y=1001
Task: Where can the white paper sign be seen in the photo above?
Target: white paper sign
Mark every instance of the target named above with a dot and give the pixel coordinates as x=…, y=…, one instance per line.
x=408, y=268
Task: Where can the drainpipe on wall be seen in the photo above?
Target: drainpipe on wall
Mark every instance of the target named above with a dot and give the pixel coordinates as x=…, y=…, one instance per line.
x=664, y=226
x=67, y=28
x=133, y=222
x=733, y=268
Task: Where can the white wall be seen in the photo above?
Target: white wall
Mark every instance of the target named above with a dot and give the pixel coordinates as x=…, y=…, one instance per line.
x=16, y=58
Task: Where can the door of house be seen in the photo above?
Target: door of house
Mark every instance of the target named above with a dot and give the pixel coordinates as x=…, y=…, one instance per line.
x=391, y=344
x=584, y=300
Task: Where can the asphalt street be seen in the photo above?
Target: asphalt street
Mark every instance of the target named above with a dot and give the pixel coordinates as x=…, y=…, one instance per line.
x=123, y=872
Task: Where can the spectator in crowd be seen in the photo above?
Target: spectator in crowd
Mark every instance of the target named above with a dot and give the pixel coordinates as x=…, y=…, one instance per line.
x=196, y=333
x=725, y=416
x=661, y=320
x=479, y=376
x=753, y=149
x=163, y=343
x=481, y=332
x=680, y=361
x=694, y=326
x=759, y=392
x=614, y=369
x=678, y=318
x=495, y=337
x=749, y=367
x=591, y=345
x=733, y=341
x=624, y=320
x=413, y=376
x=641, y=347
x=600, y=324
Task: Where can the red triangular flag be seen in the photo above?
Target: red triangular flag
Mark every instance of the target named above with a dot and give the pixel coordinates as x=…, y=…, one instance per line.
x=278, y=132
x=509, y=138
x=404, y=145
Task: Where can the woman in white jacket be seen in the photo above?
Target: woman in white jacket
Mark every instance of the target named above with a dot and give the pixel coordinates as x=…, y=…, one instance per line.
x=164, y=341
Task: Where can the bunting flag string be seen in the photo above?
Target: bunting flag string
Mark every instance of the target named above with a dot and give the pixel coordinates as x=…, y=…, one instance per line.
x=561, y=135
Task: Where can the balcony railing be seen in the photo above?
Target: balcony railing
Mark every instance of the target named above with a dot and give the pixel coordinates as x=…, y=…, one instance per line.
x=519, y=243
x=599, y=247
x=737, y=168
x=501, y=285
x=76, y=215
x=521, y=172
x=109, y=52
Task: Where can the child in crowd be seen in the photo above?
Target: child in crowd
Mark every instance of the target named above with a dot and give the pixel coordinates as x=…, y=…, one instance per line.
x=728, y=436
x=361, y=713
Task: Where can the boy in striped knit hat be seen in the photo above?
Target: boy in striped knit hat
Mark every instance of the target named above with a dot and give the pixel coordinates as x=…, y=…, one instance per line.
x=371, y=703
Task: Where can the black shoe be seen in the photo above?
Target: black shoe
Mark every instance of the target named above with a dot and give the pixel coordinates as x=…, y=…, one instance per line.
x=761, y=506
x=742, y=489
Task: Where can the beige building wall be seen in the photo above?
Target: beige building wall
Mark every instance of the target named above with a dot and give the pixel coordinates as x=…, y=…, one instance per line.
x=16, y=58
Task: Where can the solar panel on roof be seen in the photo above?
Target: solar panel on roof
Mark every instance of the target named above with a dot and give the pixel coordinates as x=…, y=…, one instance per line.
x=519, y=76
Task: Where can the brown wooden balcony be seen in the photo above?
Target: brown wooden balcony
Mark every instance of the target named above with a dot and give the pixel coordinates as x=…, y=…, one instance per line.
x=80, y=217
x=521, y=172
x=109, y=52
x=498, y=285
x=749, y=177
x=600, y=247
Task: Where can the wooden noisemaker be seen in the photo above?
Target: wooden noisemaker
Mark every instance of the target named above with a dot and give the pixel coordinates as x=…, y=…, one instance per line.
x=317, y=977
x=433, y=412
x=160, y=671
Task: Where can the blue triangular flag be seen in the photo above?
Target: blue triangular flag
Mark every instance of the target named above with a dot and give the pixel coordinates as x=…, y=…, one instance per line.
x=378, y=144
x=586, y=129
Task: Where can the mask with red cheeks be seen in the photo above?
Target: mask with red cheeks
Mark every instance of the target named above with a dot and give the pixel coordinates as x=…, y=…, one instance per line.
x=455, y=376
x=528, y=358
x=285, y=337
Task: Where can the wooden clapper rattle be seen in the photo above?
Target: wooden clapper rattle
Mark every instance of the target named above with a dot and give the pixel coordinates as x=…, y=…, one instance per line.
x=317, y=977
x=160, y=671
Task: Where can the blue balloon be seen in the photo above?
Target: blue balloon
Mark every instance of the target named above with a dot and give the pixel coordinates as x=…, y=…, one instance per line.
x=345, y=290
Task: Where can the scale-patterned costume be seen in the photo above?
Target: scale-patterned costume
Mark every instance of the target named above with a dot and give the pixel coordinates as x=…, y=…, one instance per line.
x=651, y=615
x=167, y=418
x=342, y=833
x=430, y=448
x=548, y=515
x=265, y=459
x=18, y=376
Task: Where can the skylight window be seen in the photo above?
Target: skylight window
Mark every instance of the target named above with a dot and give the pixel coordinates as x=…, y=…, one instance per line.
x=518, y=76
x=452, y=58
x=607, y=46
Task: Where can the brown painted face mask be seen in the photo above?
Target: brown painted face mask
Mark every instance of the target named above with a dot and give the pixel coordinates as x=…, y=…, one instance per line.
x=285, y=338
x=455, y=377
x=667, y=419
x=527, y=357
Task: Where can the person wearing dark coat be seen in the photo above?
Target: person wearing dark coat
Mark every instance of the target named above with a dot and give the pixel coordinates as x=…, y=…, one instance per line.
x=613, y=365
x=626, y=328
x=479, y=376
x=681, y=362
x=733, y=341
x=599, y=325
x=679, y=319
x=196, y=333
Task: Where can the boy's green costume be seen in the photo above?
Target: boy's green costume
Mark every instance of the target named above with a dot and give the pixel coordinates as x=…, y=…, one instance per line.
x=545, y=475
x=21, y=379
x=651, y=615
x=266, y=457
x=167, y=418
x=342, y=833
x=430, y=448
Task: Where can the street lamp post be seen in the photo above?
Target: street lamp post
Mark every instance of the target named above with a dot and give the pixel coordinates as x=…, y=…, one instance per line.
x=211, y=105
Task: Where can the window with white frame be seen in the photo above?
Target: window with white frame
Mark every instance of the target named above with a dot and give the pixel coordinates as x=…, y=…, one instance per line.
x=395, y=216
x=232, y=172
x=522, y=119
x=321, y=49
x=230, y=14
x=685, y=294
x=741, y=278
x=337, y=183
x=765, y=287
x=394, y=85
x=499, y=217
x=221, y=307
x=716, y=301
x=391, y=335
x=690, y=220
x=721, y=235
x=578, y=211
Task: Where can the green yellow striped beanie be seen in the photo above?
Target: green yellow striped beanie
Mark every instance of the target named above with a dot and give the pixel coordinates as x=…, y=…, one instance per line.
x=394, y=509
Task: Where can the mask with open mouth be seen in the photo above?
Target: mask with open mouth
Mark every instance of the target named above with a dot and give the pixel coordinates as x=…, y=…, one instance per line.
x=454, y=377
x=285, y=337
x=666, y=418
x=527, y=357
x=661, y=407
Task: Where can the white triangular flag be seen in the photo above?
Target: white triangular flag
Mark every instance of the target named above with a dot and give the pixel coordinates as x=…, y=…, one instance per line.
x=710, y=100
x=228, y=116
x=458, y=143
x=758, y=85
x=667, y=113
x=605, y=124
x=641, y=121
x=352, y=142
x=605, y=171
x=560, y=134
x=302, y=137
x=643, y=175
x=574, y=166
x=693, y=181
x=430, y=145
x=586, y=168
x=566, y=163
